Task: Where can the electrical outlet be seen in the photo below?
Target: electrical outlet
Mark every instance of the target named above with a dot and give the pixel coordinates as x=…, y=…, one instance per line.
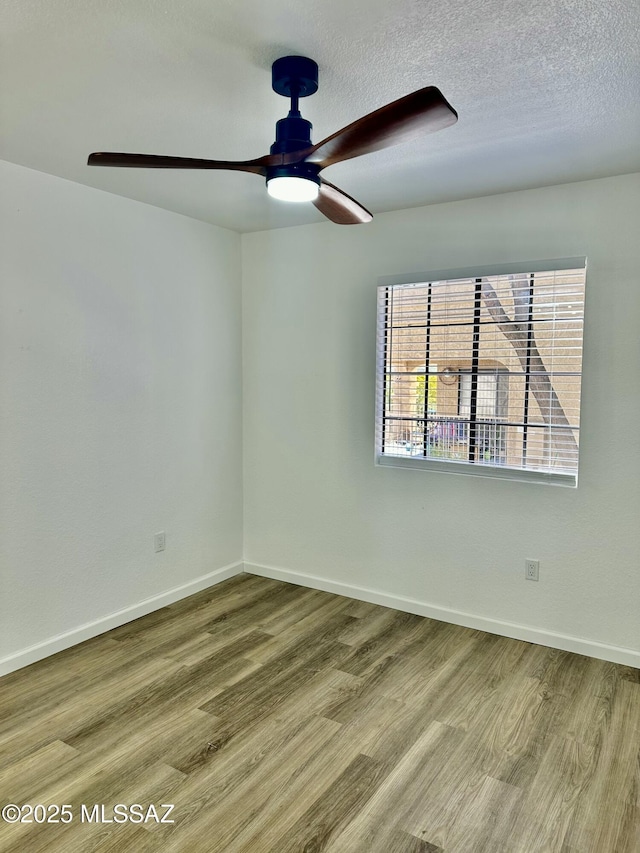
x=158, y=541
x=532, y=570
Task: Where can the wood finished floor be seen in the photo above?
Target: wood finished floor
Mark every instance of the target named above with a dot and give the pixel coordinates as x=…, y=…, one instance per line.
x=280, y=719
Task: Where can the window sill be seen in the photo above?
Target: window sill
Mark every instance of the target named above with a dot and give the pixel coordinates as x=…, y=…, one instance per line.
x=473, y=470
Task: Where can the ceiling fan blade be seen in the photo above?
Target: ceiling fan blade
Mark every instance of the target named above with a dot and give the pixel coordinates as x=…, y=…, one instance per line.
x=154, y=161
x=424, y=111
x=339, y=207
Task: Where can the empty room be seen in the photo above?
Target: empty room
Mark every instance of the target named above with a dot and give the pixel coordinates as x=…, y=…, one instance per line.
x=319, y=427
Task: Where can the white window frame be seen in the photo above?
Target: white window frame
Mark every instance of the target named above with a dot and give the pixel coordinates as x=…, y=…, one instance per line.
x=456, y=467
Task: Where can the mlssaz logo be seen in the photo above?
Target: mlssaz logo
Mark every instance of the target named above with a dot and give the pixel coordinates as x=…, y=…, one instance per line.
x=121, y=813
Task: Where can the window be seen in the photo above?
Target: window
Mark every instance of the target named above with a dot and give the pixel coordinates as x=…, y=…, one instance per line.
x=503, y=355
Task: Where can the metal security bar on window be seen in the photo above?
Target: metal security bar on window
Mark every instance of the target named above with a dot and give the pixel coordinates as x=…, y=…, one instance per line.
x=484, y=370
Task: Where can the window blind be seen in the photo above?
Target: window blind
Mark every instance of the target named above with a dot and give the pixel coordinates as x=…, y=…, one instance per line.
x=483, y=371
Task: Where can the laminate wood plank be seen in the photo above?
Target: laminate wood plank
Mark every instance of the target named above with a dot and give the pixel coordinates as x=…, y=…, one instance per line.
x=215, y=828
x=236, y=589
x=388, y=642
x=232, y=626
x=202, y=645
x=128, y=839
x=365, y=628
x=310, y=698
x=359, y=608
x=102, y=777
x=401, y=793
x=425, y=665
x=89, y=669
x=209, y=601
x=56, y=722
x=19, y=780
x=98, y=776
x=315, y=652
x=153, y=736
x=147, y=785
x=157, y=734
x=258, y=699
x=628, y=673
x=589, y=715
x=613, y=784
x=419, y=675
x=212, y=596
x=401, y=842
x=629, y=836
x=542, y=662
x=485, y=819
x=548, y=810
x=452, y=786
x=477, y=684
x=269, y=603
x=378, y=727
x=554, y=691
x=506, y=718
x=185, y=685
x=226, y=619
x=241, y=762
x=309, y=602
x=474, y=710
x=231, y=735
x=325, y=622
x=508, y=725
x=154, y=783
x=634, y=796
x=408, y=720
x=269, y=685
x=152, y=623
x=334, y=809
x=39, y=682
x=307, y=785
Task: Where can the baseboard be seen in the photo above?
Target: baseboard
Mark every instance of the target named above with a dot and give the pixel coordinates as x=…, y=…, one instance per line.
x=565, y=642
x=114, y=620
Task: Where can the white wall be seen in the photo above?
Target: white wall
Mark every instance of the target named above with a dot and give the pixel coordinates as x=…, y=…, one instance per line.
x=120, y=410
x=453, y=546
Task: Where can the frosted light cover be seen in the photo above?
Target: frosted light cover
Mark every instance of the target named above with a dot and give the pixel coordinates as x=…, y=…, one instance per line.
x=292, y=189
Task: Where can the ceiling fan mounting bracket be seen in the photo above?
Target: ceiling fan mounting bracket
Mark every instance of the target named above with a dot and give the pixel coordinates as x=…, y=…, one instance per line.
x=294, y=76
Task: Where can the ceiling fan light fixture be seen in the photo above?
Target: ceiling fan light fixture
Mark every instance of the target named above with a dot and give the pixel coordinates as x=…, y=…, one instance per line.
x=293, y=188
x=295, y=182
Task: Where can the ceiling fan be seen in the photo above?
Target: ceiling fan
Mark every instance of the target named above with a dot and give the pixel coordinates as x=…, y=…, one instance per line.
x=292, y=168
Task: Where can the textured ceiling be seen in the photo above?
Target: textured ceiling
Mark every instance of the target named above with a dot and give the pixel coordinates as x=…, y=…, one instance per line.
x=548, y=91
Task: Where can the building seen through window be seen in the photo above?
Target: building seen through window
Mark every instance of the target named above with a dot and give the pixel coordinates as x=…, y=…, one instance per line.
x=484, y=371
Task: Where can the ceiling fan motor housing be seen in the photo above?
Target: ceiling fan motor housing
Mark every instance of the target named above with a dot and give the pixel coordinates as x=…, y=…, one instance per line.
x=293, y=133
